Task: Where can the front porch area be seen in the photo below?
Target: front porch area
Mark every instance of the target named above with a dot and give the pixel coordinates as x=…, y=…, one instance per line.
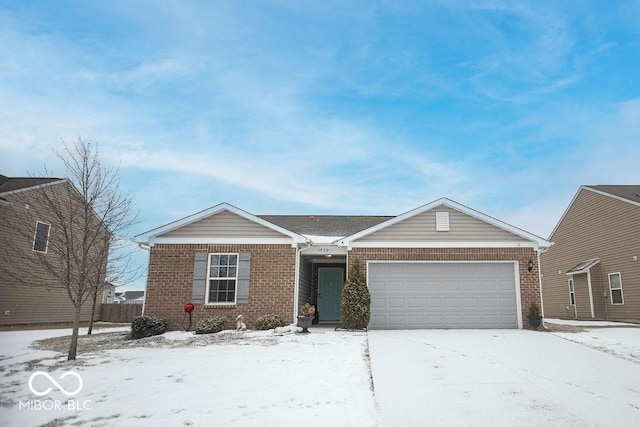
x=322, y=273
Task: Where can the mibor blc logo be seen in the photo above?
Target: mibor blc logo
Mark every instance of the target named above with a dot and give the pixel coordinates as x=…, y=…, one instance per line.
x=41, y=384
x=55, y=383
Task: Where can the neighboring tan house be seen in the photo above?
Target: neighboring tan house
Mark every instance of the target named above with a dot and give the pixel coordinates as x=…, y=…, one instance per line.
x=27, y=230
x=109, y=293
x=442, y=265
x=593, y=271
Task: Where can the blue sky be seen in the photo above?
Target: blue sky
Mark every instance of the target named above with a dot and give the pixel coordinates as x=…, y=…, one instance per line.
x=340, y=107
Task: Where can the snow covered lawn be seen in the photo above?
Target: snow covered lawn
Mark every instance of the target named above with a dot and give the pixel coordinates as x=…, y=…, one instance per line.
x=251, y=378
x=506, y=377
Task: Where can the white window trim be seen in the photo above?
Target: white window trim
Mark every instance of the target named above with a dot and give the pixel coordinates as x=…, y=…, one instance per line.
x=35, y=235
x=611, y=290
x=572, y=291
x=207, y=303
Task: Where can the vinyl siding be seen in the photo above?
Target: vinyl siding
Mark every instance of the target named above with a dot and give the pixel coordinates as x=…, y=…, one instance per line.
x=26, y=289
x=595, y=226
x=422, y=228
x=306, y=284
x=35, y=304
x=224, y=224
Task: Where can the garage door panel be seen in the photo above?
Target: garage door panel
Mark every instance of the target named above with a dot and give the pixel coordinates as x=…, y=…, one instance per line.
x=414, y=285
x=415, y=302
x=443, y=295
x=489, y=302
x=470, y=302
x=397, y=320
x=434, y=301
x=394, y=286
x=396, y=303
x=451, y=302
x=416, y=320
x=378, y=303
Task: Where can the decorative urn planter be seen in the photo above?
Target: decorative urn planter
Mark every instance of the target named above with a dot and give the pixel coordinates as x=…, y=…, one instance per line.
x=535, y=319
x=305, y=322
x=307, y=313
x=535, y=322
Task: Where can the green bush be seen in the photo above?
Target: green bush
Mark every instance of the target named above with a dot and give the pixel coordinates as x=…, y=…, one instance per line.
x=147, y=326
x=356, y=301
x=269, y=321
x=211, y=326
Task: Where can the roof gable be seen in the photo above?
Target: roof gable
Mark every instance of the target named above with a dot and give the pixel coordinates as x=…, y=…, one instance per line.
x=624, y=193
x=170, y=233
x=502, y=232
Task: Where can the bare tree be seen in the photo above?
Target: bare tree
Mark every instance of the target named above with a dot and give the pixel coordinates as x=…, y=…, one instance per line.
x=85, y=246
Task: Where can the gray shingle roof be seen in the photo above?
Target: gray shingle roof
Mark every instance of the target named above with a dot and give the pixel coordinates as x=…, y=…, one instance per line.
x=629, y=192
x=325, y=225
x=11, y=184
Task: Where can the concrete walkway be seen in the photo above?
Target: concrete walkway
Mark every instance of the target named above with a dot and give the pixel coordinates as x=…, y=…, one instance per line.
x=499, y=377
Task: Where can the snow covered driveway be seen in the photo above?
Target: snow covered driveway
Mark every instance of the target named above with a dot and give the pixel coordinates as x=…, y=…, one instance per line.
x=503, y=377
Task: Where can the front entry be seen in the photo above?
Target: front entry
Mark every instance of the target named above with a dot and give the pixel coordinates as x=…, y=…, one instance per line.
x=329, y=293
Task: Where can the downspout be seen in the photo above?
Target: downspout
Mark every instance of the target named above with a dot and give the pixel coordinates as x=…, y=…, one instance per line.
x=146, y=283
x=296, y=291
x=538, y=252
x=590, y=293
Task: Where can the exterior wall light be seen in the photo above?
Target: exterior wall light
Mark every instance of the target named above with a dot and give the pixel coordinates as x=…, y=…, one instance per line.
x=530, y=265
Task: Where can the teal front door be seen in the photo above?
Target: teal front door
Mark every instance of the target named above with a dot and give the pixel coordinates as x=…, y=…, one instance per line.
x=329, y=293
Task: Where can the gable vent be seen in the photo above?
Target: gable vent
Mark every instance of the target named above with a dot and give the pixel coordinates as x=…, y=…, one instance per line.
x=442, y=221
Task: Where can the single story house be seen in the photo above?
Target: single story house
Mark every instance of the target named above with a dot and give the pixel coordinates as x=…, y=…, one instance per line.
x=441, y=265
x=593, y=271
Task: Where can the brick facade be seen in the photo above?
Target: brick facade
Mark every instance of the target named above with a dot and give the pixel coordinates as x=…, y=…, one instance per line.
x=271, y=286
x=529, y=282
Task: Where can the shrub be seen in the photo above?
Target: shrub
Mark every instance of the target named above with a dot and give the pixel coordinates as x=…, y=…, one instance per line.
x=356, y=301
x=147, y=326
x=211, y=326
x=269, y=321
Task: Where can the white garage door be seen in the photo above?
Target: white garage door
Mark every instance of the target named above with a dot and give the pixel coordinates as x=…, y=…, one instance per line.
x=422, y=295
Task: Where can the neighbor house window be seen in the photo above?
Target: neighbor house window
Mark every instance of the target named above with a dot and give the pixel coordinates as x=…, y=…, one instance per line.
x=41, y=237
x=615, y=285
x=222, y=279
x=572, y=293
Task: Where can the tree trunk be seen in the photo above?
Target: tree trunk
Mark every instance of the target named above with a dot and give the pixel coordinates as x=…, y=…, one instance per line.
x=93, y=312
x=73, y=348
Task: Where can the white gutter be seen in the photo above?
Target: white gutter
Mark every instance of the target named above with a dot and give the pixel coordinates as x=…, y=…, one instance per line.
x=540, y=251
x=590, y=293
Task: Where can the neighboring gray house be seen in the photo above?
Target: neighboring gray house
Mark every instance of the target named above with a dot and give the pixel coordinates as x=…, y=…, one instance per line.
x=593, y=269
x=441, y=265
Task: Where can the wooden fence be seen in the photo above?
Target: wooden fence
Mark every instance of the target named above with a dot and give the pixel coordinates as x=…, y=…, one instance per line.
x=119, y=313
